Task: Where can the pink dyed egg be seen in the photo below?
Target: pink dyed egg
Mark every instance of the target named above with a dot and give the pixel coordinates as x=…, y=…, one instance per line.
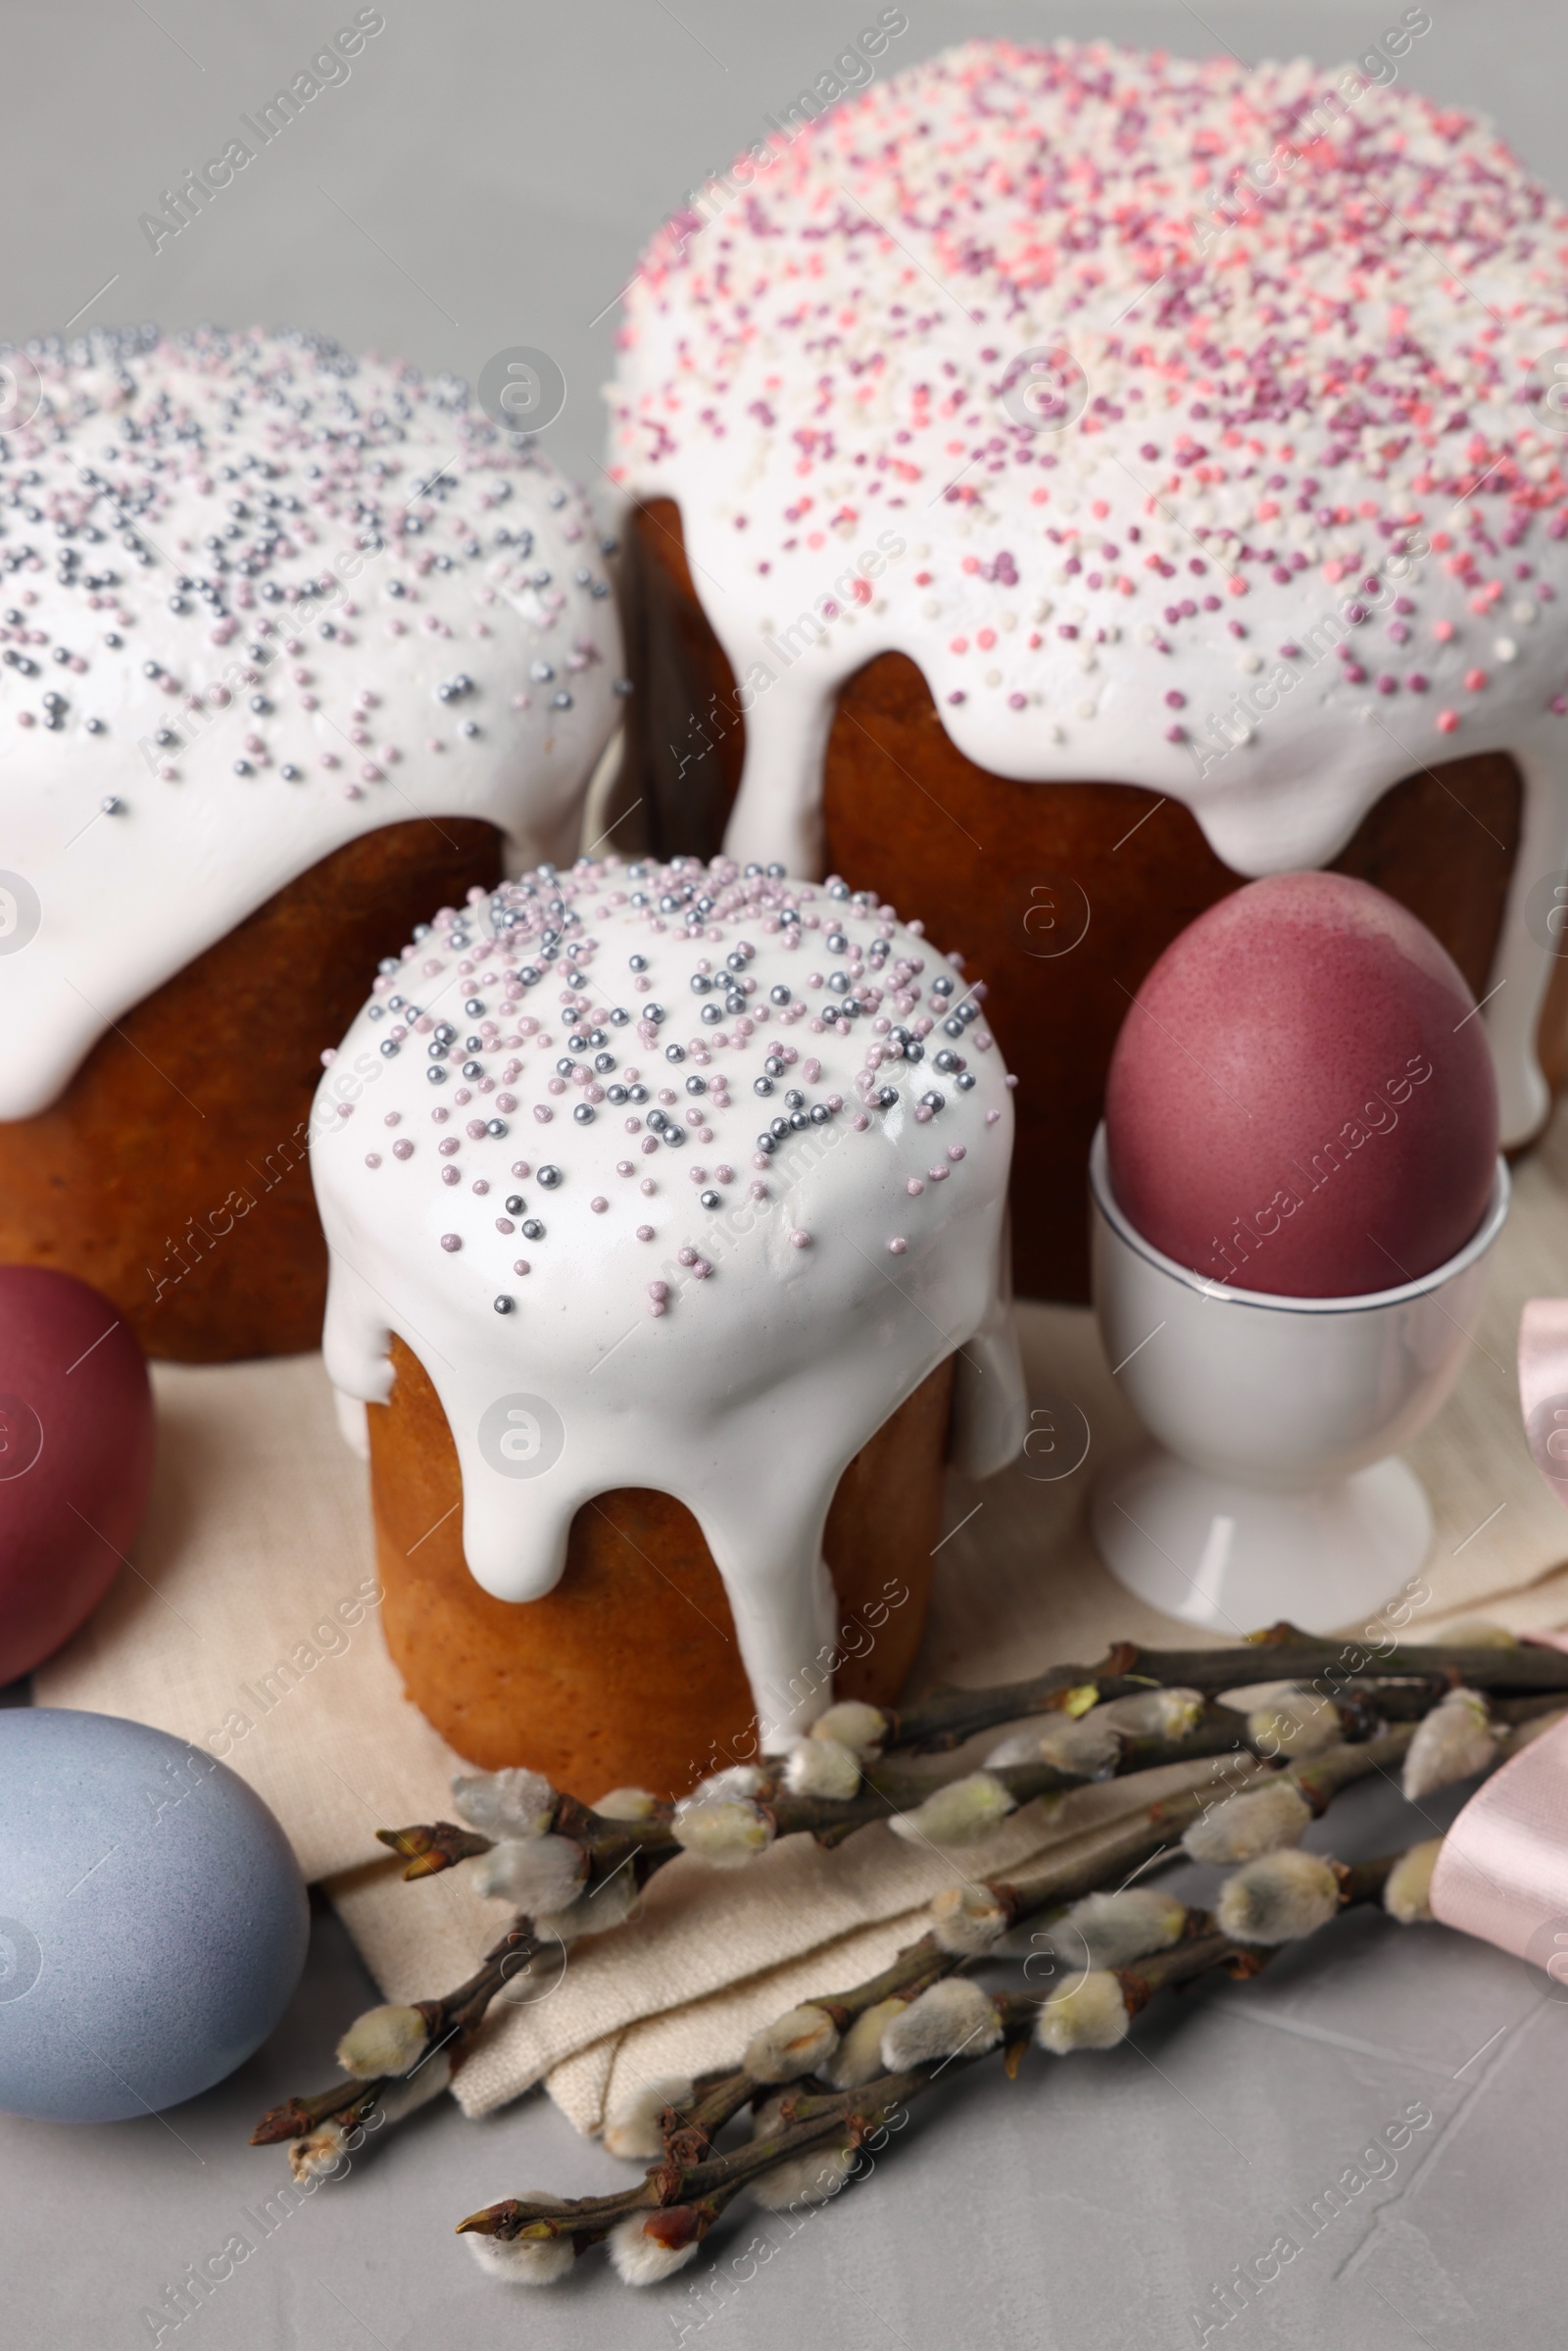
x=75, y=1457
x=1297, y=1102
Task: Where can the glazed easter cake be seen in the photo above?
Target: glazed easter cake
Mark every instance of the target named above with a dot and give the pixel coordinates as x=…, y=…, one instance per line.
x=1167, y=433
x=666, y=1240
x=291, y=646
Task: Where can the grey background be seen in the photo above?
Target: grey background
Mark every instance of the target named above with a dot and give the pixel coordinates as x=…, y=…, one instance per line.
x=485, y=178
x=490, y=172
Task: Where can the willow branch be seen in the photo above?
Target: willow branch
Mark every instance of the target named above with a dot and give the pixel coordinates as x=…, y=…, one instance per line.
x=945, y=1718
x=1106, y=1856
x=451, y=2023
x=1087, y=1863
x=811, y=2117
x=691, y=2131
x=884, y=1792
x=1082, y=1864
x=430, y=1846
x=816, y=2116
x=1090, y=1863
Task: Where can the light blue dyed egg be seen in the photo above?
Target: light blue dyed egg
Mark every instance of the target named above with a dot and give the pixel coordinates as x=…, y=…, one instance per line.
x=153, y=1920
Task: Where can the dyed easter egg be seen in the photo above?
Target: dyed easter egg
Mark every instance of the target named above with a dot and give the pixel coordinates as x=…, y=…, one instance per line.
x=1300, y=1100
x=154, y=1918
x=75, y=1457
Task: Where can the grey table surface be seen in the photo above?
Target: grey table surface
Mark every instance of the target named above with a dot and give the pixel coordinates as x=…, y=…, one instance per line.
x=484, y=178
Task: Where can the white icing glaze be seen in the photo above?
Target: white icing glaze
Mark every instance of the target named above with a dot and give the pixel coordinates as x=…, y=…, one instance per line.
x=1288, y=378
x=456, y=553
x=807, y=1291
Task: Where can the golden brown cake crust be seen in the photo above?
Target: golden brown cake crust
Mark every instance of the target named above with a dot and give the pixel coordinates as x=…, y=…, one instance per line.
x=628, y=1672
x=171, y=1173
x=1060, y=898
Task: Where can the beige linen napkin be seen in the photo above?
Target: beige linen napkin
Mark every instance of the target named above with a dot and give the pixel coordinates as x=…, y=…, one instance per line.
x=246, y=1623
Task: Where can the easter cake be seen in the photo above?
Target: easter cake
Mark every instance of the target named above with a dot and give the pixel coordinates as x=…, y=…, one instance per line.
x=292, y=647
x=1174, y=434
x=664, y=1250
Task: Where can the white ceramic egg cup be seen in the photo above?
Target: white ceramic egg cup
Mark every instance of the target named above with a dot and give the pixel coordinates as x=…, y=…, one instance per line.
x=1271, y=1490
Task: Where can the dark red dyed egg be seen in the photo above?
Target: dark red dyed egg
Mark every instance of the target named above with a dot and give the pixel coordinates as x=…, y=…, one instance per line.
x=76, y=1438
x=1299, y=1100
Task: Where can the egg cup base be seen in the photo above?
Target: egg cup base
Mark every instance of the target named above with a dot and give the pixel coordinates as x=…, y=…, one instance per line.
x=1213, y=1553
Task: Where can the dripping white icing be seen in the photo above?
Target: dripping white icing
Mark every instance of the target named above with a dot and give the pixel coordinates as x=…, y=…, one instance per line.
x=791, y=1327
x=185, y=492
x=1310, y=411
